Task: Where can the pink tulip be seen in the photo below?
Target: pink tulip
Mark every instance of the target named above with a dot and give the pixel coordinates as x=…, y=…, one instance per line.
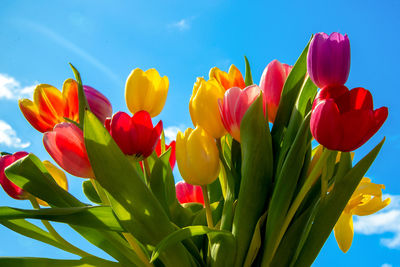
x=271, y=84
x=9, y=187
x=98, y=103
x=66, y=146
x=187, y=193
x=234, y=105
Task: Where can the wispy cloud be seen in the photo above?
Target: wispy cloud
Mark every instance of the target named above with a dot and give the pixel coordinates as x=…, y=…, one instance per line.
x=386, y=221
x=9, y=138
x=67, y=44
x=181, y=25
x=11, y=89
x=171, y=132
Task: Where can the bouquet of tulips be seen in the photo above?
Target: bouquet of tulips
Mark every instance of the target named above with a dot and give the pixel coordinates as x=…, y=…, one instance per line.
x=258, y=190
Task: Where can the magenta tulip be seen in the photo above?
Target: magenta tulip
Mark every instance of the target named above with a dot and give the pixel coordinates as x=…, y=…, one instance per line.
x=98, y=103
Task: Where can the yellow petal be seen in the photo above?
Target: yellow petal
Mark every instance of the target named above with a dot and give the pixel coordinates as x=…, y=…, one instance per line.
x=344, y=231
x=31, y=113
x=58, y=175
x=370, y=207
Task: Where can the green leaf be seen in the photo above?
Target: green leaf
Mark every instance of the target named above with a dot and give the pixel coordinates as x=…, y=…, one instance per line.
x=134, y=204
x=256, y=241
x=45, y=262
x=94, y=217
x=183, y=234
x=248, y=80
x=83, y=104
x=256, y=183
x=90, y=192
x=330, y=210
x=290, y=92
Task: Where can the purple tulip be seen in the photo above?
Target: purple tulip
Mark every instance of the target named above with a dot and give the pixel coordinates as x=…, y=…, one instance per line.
x=98, y=103
x=328, y=59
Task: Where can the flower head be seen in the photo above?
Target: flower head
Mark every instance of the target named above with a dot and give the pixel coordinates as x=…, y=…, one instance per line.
x=228, y=80
x=187, y=193
x=9, y=187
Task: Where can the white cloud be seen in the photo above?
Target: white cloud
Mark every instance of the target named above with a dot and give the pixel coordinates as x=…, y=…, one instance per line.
x=8, y=136
x=386, y=265
x=383, y=222
x=11, y=89
x=171, y=132
x=183, y=24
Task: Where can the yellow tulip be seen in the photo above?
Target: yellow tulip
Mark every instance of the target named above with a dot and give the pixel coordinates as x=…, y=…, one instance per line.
x=58, y=175
x=366, y=200
x=197, y=156
x=146, y=90
x=203, y=106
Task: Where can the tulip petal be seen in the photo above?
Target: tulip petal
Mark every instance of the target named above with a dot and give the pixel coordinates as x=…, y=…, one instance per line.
x=344, y=231
x=355, y=126
x=371, y=206
x=9, y=187
x=121, y=125
x=31, y=113
x=70, y=93
x=50, y=103
x=187, y=193
x=355, y=99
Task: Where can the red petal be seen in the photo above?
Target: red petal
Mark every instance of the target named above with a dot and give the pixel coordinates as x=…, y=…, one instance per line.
x=9, y=187
x=356, y=99
x=121, y=125
x=355, y=125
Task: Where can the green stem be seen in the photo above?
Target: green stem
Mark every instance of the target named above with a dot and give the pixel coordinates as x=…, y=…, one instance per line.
x=100, y=191
x=208, y=208
x=147, y=171
x=68, y=246
x=311, y=179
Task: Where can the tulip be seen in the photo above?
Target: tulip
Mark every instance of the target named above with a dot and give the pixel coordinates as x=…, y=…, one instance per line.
x=134, y=135
x=228, y=80
x=366, y=200
x=197, y=156
x=146, y=90
x=328, y=59
x=203, y=106
x=9, y=187
x=271, y=84
x=172, y=157
x=344, y=120
x=58, y=176
x=66, y=146
x=98, y=103
x=50, y=106
x=187, y=193
x=234, y=105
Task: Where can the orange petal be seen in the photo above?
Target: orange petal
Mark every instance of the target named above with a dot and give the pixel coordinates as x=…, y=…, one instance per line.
x=31, y=113
x=236, y=77
x=70, y=93
x=50, y=103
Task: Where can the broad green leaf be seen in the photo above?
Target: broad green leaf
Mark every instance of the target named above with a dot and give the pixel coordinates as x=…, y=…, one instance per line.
x=286, y=182
x=248, y=80
x=183, y=234
x=134, y=204
x=256, y=183
x=94, y=217
x=45, y=262
x=90, y=192
x=255, y=243
x=332, y=207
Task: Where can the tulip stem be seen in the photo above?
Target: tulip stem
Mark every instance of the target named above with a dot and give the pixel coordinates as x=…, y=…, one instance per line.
x=208, y=208
x=147, y=171
x=67, y=246
x=311, y=179
x=100, y=191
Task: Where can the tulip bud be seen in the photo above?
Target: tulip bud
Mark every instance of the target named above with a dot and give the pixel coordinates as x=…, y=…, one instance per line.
x=134, y=135
x=203, y=106
x=187, y=193
x=328, y=59
x=344, y=120
x=9, y=187
x=234, y=105
x=228, y=80
x=197, y=156
x=66, y=146
x=146, y=90
x=271, y=84
x=98, y=103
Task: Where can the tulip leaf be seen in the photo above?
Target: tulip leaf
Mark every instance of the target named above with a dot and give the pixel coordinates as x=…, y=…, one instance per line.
x=256, y=183
x=290, y=92
x=256, y=241
x=248, y=80
x=45, y=262
x=83, y=103
x=30, y=174
x=138, y=210
x=94, y=217
x=331, y=209
x=90, y=192
x=186, y=233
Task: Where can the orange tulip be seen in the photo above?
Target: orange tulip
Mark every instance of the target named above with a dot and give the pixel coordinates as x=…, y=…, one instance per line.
x=228, y=80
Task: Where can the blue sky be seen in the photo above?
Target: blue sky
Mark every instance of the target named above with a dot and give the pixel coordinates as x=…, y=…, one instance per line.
x=105, y=40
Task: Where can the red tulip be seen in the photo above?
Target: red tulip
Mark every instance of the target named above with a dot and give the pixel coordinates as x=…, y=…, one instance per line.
x=234, y=105
x=134, y=135
x=9, y=187
x=66, y=146
x=344, y=120
x=187, y=193
x=172, y=157
x=271, y=84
